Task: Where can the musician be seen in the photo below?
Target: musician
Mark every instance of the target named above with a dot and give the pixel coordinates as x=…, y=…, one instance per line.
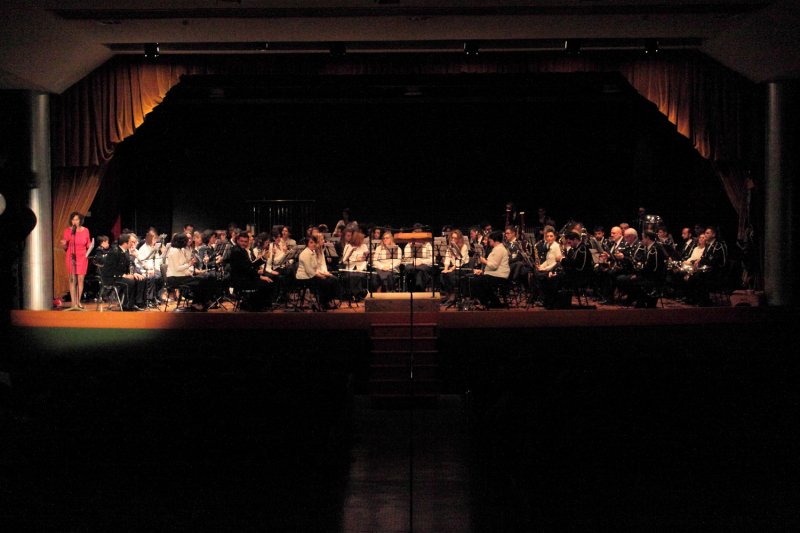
x=641, y=220
x=608, y=267
x=678, y=277
x=577, y=263
x=516, y=257
x=100, y=251
x=546, y=274
x=711, y=268
x=286, y=235
x=188, y=229
x=649, y=272
x=345, y=237
x=664, y=239
x=688, y=244
x=353, y=269
x=117, y=270
x=311, y=269
x=344, y=223
x=276, y=257
x=386, y=262
x=456, y=257
x=149, y=279
x=180, y=271
x=418, y=260
x=76, y=242
x=245, y=276
x=495, y=270
x=598, y=242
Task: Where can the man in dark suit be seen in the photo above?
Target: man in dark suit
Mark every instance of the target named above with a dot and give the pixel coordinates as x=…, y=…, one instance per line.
x=245, y=276
x=117, y=270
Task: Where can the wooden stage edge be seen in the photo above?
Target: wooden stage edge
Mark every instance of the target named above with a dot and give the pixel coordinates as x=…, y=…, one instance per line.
x=362, y=321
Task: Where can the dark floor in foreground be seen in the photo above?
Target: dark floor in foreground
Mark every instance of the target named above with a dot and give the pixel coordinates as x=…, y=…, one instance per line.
x=646, y=428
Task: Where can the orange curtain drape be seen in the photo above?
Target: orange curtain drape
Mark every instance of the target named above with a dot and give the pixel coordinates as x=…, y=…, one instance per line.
x=89, y=120
x=705, y=101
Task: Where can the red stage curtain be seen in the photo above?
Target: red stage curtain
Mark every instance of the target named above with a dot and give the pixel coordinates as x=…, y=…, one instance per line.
x=706, y=102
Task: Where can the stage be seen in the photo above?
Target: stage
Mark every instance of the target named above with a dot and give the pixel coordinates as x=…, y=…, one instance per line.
x=358, y=319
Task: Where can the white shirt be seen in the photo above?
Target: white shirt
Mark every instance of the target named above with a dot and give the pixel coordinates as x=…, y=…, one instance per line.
x=451, y=259
x=276, y=256
x=387, y=258
x=497, y=262
x=142, y=261
x=697, y=253
x=354, y=259
x=178, y=264
x=309, y=264
x=551, y=260
x=424, y=254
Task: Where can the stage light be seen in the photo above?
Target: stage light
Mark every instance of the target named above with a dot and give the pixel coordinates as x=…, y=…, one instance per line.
x=338, y=49
x=572, y=47
x=471, y=48
x=651, y=46
x=151, y=50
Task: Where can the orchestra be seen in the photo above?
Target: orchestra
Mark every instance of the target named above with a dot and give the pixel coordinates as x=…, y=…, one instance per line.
x=472, y=266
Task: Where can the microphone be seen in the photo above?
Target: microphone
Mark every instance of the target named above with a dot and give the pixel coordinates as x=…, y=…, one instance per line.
x=74, y=229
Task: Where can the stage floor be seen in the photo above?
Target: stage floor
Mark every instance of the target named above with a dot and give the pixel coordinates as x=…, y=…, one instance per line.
x=355, y=318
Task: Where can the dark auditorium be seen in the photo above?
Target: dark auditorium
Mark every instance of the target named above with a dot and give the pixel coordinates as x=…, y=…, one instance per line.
x=399, y=266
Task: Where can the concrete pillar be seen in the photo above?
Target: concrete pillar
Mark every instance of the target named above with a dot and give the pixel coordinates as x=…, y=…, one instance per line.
x=781, y=155
x=37, y=259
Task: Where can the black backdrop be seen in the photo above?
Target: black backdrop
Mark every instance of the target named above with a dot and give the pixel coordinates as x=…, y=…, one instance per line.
x=585, y=146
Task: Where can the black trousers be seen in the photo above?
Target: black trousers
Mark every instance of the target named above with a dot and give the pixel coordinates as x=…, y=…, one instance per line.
x=417, y=277
x=325, y=288
x=383, y=278
x=484, y=288
x=134, y=292
x=259, y=300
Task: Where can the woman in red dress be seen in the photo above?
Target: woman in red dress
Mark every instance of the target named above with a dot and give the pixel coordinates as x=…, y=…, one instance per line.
x=76, y=242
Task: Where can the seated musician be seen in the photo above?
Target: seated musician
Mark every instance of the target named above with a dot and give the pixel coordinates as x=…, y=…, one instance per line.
x=286, y=235
x=145, y=265
x=626, y=258
x=516, y=257
x=546, y=274
x=456, y=257
x=345, y=237
x=180, y=271
x=608, y=266
x=679, y=275
x=311, y=269
x=386, y=262
x=495, y=270
x=649, y=271
x=276, y=255
x=418, y=261
x=100, y=251
x=117, y=270
x=245, y=276
x=353, y=268
x=711, y=269
x=577, y=263
x=687, y=245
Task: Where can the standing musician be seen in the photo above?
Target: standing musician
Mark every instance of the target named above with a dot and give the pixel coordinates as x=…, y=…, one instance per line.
x=456, y=257
x=77, y=243
x=311, y=268
x=418, y=260
x=245, y=276
x=495, y=270
x=386, y=261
